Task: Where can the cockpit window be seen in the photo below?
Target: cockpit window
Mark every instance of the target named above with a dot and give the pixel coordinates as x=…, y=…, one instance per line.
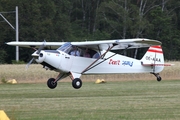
x=65, y=47
x=78, y=51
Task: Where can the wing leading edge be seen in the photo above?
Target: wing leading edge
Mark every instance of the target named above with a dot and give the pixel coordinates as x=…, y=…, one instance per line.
x=101, y=44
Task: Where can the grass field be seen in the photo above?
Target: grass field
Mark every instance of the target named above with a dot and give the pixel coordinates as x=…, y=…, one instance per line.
x=108, y=101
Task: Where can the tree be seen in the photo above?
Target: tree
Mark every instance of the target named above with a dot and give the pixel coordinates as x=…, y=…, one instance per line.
x=164, y=29
x=114, y=17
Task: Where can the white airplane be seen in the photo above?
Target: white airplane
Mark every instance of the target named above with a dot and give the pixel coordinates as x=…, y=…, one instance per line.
x=70, y=59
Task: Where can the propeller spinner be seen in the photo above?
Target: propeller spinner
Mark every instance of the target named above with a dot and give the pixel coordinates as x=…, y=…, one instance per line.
x=37, y=54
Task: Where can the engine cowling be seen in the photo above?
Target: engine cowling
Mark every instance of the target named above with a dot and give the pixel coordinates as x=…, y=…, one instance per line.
x=39, y=58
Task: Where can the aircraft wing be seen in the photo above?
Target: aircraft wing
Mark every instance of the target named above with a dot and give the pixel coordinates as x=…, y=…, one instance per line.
x=118, y=44
x=101, y=44
x=36, y=44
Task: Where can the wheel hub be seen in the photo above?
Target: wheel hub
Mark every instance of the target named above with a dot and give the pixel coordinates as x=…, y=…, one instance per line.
x=53, y=83
x=77, y=83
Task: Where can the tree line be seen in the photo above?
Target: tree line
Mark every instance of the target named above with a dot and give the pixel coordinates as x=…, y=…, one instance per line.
x=82, y=20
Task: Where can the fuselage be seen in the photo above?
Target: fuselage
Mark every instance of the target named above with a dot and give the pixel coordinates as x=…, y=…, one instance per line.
x=63, y=62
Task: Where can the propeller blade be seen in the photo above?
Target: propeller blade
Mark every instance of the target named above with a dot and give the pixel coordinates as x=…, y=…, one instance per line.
x=41, y=47
x=27, y=66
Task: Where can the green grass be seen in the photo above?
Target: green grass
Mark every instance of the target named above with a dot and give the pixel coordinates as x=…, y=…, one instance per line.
x=109, y=101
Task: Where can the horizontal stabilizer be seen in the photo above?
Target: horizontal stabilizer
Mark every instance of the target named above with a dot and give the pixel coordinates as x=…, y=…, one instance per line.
x=156, y=64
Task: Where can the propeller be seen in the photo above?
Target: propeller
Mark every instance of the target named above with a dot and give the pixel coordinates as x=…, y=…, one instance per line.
x=36, y=54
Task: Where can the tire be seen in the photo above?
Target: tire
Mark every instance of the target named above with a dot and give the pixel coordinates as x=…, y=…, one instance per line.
x=159, y=78
x=51, y=84
x=77, y=83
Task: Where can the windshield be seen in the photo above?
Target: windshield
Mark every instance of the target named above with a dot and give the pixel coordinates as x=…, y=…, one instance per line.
x=66, y=47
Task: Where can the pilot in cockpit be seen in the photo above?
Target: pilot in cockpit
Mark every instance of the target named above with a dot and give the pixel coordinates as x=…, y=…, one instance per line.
x=86, y=53
x=75, y=51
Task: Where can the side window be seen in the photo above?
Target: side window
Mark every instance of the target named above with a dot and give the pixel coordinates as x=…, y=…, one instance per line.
x=136, y=53
x=96, y=55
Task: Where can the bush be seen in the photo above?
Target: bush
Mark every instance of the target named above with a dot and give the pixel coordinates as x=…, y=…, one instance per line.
x=17, y=62
x=3, y=80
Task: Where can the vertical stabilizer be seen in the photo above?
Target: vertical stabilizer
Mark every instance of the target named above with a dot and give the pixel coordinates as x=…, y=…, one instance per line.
x=154, y=57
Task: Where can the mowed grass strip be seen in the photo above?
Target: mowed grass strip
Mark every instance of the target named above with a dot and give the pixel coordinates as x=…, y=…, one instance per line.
x=108, y=101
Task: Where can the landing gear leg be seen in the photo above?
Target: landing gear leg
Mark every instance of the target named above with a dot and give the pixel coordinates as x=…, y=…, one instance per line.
x=52, y=82
x=157, y=76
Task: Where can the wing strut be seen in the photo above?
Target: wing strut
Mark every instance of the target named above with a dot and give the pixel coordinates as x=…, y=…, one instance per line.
x=91, y=65
x=98, y=63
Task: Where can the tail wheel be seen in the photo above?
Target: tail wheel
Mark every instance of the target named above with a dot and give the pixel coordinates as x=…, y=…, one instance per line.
x=51, y=84
x=77, y=83
x=157, y=76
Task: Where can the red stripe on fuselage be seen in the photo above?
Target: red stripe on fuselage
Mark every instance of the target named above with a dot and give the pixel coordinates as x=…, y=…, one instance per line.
x=156, y=64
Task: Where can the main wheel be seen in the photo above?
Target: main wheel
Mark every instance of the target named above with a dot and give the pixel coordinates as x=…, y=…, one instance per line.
x=159, y=78
x=51, y=84
x=77, y=83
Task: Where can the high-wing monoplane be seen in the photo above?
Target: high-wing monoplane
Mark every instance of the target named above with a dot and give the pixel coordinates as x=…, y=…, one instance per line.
x=74, y=59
